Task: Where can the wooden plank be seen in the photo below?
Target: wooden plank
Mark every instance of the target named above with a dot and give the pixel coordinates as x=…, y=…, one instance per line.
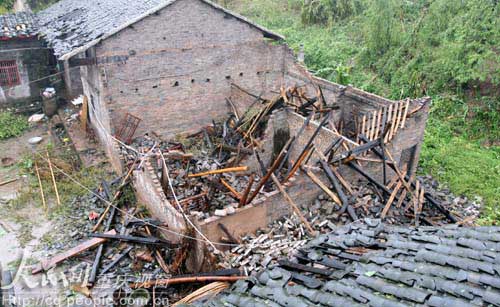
x=293, y=205
x=379, y=122
x=363, y=125
x=400, y=115
x=85, y=113
x=389, y=118
x=89, y=244
x=407, y=106
x=393, y=122
x=374, y=122
x=391, y=200
x=346, y=184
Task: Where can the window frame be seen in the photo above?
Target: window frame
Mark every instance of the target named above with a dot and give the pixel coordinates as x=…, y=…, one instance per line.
x=9, y=73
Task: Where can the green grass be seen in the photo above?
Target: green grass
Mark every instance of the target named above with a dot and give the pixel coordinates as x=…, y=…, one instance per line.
x=12, y=125
x=465, y=166
x=461, y=142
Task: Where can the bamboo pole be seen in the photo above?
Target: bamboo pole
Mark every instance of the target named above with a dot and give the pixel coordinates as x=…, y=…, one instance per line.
x=42, y=194
x=231, y=189
x=53, y=180
x=221, y=171
x=115, y=197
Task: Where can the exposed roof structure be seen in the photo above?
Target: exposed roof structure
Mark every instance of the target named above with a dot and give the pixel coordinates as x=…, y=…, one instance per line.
x=18, y=25
x=369, y=263
x=72, y=26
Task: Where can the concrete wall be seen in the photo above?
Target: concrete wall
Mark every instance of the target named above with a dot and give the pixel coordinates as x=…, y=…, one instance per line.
x=180, y=63
x=33, y=64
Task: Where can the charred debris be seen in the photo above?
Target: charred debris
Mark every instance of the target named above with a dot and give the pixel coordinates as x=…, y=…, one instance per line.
x=210, y=174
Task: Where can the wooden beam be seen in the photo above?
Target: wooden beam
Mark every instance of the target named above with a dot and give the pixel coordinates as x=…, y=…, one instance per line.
x=220, y=171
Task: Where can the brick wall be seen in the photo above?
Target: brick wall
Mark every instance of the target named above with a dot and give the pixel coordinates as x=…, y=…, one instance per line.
x=32, y=63
x=180, y=65
x=150, y=194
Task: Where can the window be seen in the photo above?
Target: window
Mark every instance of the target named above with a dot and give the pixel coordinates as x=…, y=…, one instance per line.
x=9, y=75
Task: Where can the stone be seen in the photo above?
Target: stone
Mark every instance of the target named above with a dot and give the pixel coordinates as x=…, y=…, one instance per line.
x=230, y=210
x=220, y=212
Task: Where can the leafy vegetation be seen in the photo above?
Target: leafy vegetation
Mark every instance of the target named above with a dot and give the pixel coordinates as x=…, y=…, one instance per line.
x=448, y=50
x=11, y=125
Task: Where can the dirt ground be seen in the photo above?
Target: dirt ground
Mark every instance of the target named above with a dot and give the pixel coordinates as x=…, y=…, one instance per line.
x=23, y=229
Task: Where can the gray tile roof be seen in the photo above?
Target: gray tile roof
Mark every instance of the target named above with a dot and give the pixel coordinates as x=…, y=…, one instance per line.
x=72, y=25
x=22, y=24
x=369, y=263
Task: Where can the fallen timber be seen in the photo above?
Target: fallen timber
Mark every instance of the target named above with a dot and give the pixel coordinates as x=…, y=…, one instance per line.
x=427, y=196
x=47, y=264
x=133, y=239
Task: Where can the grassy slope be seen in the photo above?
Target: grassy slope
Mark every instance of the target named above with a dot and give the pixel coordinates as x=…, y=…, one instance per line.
x=462, y=163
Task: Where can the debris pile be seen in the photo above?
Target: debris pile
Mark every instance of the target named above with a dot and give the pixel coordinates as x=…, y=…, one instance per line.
x=204, y=174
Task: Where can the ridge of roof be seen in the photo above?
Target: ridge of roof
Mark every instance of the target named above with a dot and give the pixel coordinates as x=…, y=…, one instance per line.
x=77, y=36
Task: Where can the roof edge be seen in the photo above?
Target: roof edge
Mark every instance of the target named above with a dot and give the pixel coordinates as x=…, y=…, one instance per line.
x=268, y=33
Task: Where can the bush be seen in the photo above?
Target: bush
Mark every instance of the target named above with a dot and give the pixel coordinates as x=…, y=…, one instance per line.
x=11, y=125
x=328, y=11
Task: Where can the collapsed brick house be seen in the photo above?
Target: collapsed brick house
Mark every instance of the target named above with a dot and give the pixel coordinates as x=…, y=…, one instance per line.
x=175, y=63
x=24, y=59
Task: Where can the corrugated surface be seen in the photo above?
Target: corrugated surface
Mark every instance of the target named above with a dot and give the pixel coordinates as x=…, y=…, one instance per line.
x=22, y=24
x=429, y=266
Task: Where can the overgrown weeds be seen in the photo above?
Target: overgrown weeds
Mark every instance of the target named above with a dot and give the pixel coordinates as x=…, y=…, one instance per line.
x=11, y=125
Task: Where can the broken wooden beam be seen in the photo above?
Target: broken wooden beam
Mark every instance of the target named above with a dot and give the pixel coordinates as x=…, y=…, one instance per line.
x=116, y=260
x=247, y=191
x=293, y=205
x=47, y=264
x=133, y=239
x=356, y=151
x=323, y=187
x=427, y=196
x=309, y=143
x=100, y=249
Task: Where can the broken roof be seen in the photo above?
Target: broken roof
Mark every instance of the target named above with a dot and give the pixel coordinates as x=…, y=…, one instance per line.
x=369, y=263
x=72, y=26
x=18, y=25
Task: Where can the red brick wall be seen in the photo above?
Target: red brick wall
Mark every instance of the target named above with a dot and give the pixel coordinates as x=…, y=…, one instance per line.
x=181, y=63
